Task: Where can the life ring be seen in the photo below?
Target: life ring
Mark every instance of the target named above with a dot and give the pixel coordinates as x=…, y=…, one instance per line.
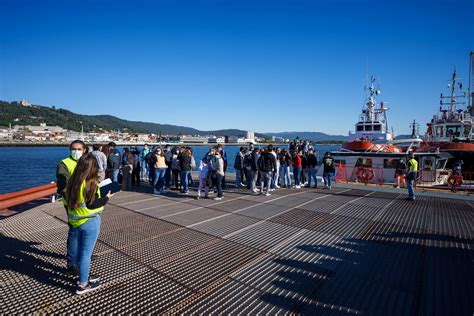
x=365, y=175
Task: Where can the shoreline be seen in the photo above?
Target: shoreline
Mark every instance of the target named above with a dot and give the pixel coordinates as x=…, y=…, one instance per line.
x=63, y=144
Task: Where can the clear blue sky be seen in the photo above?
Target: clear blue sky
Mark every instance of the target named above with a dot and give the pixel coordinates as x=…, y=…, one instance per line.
x=261, y=65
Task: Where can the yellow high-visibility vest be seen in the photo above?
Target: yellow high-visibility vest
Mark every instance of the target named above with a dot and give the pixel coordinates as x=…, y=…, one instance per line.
x=81, y=214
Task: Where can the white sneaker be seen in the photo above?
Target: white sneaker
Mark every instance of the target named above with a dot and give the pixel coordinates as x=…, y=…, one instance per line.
x=271, y=190
x=277, y=186
x=267, y=194
x=298, y=187
x=329, y=187
x=217, y=198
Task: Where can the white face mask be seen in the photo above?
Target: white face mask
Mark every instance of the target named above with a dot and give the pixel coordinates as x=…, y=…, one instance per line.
x=76, y=154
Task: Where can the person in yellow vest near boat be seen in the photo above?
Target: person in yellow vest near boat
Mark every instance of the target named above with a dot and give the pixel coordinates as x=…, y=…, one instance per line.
x=64, y=172
x=84, y=203
x=412, y=170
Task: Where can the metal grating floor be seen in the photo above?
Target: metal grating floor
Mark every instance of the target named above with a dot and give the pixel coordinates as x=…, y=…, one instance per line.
x=308, y=251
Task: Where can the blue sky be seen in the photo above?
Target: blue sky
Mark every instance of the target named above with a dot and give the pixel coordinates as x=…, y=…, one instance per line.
x=261, y=65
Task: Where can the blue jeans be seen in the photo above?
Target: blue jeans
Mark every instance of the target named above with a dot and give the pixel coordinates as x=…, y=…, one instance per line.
x=410, y=184
x=81, y=246
x=168, y=177
x=327, y=178
x=158, y=179
x=238, y=179
x=115, y=174
x=285, y=176
x=312, y=175
x=144, y=170
x=185, y=180
x=297, y=174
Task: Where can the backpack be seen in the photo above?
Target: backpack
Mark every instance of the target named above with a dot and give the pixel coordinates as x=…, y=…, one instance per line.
x=149, y=158
x=261, y=162
x=248, y=162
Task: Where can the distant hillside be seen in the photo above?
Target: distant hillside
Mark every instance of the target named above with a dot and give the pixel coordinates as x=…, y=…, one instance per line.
x=315, y=136
x=34, y=115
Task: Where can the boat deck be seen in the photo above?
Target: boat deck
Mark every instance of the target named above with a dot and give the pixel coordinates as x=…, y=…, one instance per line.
x=340, y=252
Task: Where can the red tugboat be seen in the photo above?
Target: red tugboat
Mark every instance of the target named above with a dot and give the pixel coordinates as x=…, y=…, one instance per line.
x=371, y=131
x=451, y=130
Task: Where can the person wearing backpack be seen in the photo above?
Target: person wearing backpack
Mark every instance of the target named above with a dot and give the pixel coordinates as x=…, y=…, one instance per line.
x=311, y=163
x=266, y=167
x=239, y=167
x=329, y=169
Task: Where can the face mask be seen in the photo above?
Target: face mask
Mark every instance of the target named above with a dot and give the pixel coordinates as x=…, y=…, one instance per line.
x=76, y=154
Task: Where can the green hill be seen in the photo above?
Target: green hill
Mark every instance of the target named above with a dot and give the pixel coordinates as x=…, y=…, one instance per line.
x=16, y=114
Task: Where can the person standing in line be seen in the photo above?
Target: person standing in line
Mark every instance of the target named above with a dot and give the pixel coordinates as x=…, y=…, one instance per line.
x=276, y=174
x=185, y=160
x=113, y=162
x=285, y=163
x=168, y=156
x=137, y=167
x=101, y=160
x=267, y=166
x=175, y=167
x=297, y=163
x=239, y=167
x=159, y=166
x=84, y=203
x=254, y=170
x=329, y=169
x=203, y=178
x=223, y=155
x=312, y=163
x=127, y=170
x=144, y=171
x=218, y=168
x=412, y=166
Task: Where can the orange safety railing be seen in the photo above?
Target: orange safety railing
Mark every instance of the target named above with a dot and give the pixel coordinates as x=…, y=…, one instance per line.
x=21, y=197
x=373, y=175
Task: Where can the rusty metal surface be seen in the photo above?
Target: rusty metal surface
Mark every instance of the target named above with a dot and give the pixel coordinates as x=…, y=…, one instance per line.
x=308, y=251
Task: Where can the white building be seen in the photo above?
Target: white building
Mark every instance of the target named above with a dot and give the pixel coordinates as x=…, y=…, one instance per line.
x=216, y=140
x=42, y=128
x=25, y=102
x=250, y=135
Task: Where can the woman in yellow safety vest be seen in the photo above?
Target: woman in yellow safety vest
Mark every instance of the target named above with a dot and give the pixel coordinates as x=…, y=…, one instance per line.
x=84, y=204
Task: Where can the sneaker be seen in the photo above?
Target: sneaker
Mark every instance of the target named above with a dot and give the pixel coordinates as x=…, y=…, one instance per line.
x=267, y=194
x=198, y=197
x=329, y=187
x=243, y=185
x=298, y=187
x=277, y=186
x=271, y=190
x=82, y=289
x=92, y=279
x=217, y=198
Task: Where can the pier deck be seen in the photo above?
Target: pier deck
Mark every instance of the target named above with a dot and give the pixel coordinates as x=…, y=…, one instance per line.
x=339, y=252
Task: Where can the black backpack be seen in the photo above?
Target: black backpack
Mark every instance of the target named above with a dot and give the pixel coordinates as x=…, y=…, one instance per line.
x=149, y=158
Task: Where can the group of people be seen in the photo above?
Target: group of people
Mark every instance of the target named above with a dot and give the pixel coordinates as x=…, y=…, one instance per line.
x=79, y=178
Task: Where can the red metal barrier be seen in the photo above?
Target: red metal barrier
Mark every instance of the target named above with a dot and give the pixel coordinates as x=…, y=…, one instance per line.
x=17, y=198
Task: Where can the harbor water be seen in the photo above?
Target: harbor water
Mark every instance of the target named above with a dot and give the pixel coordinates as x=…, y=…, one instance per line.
x=26, y=167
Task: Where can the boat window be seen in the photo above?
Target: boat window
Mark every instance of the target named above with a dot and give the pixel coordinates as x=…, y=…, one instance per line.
x=364, y=162
x=467, y=131
x=452, y=131
x=439, y=131
x=441, y=164
x=390, y=163
x=368, y=127
x=340, y=162
x=377, y=127
x=360, y=128
x=428, y=164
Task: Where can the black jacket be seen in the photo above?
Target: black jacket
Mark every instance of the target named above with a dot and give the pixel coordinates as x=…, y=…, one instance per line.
x=239, y=162
x=311, y=160
x=267, y=162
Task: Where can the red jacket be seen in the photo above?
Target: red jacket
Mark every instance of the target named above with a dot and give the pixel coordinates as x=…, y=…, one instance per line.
x=297, y=161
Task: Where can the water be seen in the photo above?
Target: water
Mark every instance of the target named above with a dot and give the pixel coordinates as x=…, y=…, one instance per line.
x=26, y=167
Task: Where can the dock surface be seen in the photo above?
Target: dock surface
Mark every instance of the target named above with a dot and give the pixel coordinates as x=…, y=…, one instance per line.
x=310, y=251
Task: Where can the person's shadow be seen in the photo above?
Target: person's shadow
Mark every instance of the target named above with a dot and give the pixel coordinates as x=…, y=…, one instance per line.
x=23, y=258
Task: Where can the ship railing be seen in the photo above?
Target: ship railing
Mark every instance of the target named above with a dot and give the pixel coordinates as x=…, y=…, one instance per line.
x=360, y=174
x=13, y=199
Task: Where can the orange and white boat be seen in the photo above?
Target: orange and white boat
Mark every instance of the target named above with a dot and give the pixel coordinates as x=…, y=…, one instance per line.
x=371, y=131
